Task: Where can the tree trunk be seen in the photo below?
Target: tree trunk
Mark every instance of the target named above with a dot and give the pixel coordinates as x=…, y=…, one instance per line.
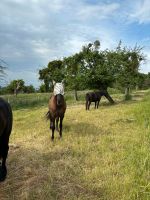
x=75, y=95
x=106, y=94
x=15, y=92
x=127, y=91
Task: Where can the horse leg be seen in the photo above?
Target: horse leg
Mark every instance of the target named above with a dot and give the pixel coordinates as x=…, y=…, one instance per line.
x=89, y=103
x=98, y=102
x=57, y=120
x=3, y=155
x=60, y=132
x=52, y=126
x=86, y=105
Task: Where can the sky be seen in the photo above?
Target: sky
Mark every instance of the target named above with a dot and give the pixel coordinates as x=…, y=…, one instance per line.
x=34, y=32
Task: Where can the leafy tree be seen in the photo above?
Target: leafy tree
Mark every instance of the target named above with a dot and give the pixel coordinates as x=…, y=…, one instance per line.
x=127, y=62
x=42, y=88
x=15, y=86
x=29, y=89
x=53, y=71
x=98, y=72
x=143, y=81
x=74, y=77
x=44, y=75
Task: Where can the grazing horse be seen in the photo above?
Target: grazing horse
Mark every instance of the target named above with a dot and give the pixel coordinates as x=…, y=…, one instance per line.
x=96, y=97
x=5, y=131
x=57, y=108
x=92, y=97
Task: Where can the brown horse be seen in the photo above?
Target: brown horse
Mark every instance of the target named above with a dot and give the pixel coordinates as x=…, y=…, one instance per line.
x=57, y=108
x=5, y=131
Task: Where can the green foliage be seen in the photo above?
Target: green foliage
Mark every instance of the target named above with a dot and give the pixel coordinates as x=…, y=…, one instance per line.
x=128, y=61
x=29, y=89
x=53, y=71
x=42, y=88
x=13, y=84
x=74, y=77
x=128, y=97
x=93, y=68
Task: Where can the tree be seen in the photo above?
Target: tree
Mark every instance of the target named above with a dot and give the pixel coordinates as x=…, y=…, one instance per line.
x=15, y=86
x=74, y=77
x=53, y=71
x=128, y=61
x=97, y=69
x=42, y=88
x=29, y=89
x=44, y=75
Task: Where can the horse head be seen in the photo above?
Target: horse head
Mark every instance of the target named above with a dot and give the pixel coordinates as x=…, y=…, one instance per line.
x=59, y=92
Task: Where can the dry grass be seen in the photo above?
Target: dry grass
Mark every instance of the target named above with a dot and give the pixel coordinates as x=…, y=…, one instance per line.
x=103, y=156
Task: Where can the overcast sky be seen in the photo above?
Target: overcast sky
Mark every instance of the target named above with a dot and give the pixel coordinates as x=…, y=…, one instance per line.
x=34, y=32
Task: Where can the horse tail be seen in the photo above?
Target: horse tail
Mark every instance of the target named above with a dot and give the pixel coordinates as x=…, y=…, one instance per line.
x=48, y=115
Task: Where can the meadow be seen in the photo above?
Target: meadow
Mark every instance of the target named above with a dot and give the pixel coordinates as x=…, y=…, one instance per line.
x=103, y=155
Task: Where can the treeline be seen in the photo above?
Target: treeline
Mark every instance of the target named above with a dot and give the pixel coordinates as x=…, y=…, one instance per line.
x=17, y=86
x=93, y=68
x=90, y=68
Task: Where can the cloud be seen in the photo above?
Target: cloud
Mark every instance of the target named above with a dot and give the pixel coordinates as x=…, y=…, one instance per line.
x=29, y=77
x=100, y=11
x=33, y=32
x=140, y=11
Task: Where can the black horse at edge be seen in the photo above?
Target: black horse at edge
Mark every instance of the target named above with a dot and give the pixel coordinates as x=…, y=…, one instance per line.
x=6, y=119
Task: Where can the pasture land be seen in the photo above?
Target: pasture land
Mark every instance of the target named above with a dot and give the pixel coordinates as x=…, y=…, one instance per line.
x=41, y=99
x=103, y=155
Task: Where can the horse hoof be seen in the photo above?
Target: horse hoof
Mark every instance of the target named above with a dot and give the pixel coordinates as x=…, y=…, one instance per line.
x=3, y=173
x=52, y=138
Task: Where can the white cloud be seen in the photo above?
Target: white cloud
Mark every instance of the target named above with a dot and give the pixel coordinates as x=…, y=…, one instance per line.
x=140, y=11
x=146, y=66
x=34, y=32
x=101, y=11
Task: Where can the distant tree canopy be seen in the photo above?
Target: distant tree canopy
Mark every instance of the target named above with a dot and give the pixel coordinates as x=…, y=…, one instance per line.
x=16, y=86
x=53, y=71
x=94, y=68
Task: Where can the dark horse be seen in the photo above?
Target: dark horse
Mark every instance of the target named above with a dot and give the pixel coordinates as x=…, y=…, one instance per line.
x=92, y=97
x=57, y=108
x=96, y=97
x=5, y=131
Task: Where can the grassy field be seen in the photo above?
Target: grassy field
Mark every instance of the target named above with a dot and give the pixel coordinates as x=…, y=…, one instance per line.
x=103, y=155
x=41, y=99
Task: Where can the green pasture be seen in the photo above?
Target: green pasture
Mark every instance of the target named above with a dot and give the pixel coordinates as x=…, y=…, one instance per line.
x=41, y=99
x=103, y=155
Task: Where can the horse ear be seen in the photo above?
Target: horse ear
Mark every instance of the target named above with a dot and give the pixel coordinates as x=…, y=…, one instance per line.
x=62, y=81
x=54, y=82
